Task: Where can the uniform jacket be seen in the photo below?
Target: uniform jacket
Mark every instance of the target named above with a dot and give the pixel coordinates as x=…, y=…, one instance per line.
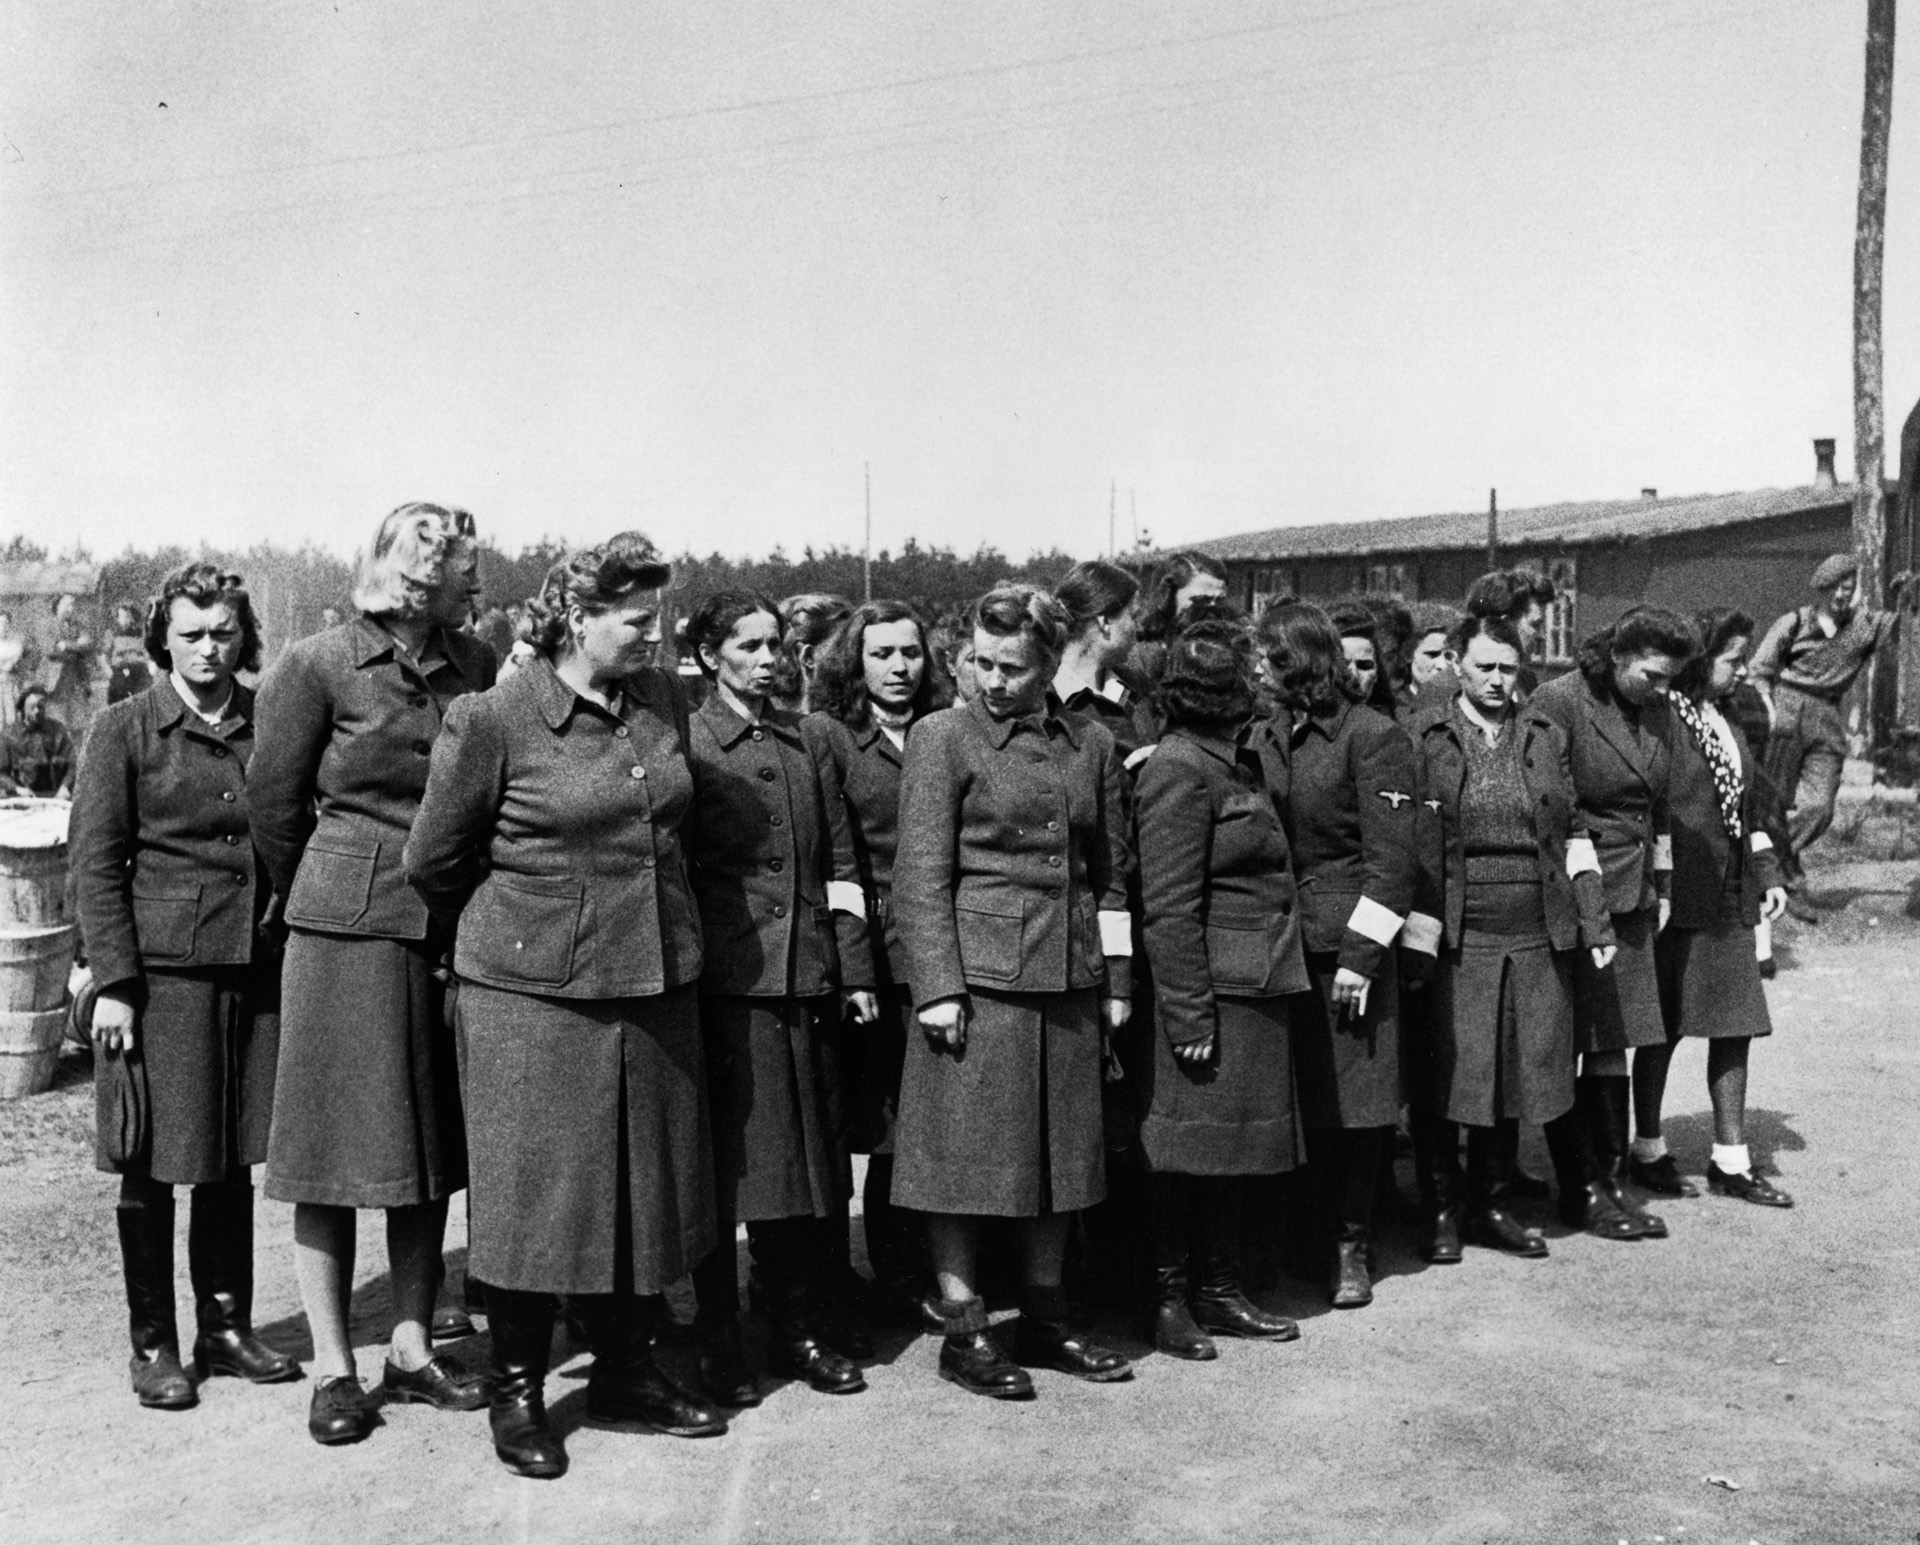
x=1216, y=879
x=764, y=847
x=1575, y=907
x=1347, y=788
x=551, y=829
x=164, y=873
x=860, y=770
x=1012, y=847
x=1705, y=856
x=1620, y=774
x=346, y=727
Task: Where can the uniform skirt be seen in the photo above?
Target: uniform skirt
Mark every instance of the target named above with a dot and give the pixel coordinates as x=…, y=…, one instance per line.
x=1619, y=1007
x=1234, y=1114
x=1011, y=1126
x=367, y=1096
x=776, y=1083
x=875, y=1055
x=591, y=1151
x=209, y=1041
x=1502, y=1013
x=1348, y=1069
x=1709, y=979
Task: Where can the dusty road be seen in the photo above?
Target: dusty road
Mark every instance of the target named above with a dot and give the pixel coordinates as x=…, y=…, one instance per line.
x=1583, y=1398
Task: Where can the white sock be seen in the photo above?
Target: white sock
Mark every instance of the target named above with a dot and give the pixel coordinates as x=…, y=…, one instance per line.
x=1647, y=1149
x=1731, y=1158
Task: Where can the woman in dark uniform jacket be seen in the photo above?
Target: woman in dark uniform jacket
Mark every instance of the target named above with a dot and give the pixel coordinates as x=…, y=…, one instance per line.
x=367, y=1099
x=765, y=847
x=1011, y=890
x=1222, y=935
x=172, y=907
x=1726, y=878
x=874, y=680
x=551, y=832
x=1345, y=780
x=1500, y=1011
x=1613, y=712
x=1100, y=638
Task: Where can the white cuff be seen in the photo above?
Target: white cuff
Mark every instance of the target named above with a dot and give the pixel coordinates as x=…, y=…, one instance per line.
x=1762, y=843
x=1116, y=933
x=1582, y=857
x=845, y=896
x=1372, y=921
x=1422, y=933
x=1139, y=755
x=1662, y=853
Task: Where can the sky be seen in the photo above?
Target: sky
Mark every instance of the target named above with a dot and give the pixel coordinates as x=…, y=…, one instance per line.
x=269, y=269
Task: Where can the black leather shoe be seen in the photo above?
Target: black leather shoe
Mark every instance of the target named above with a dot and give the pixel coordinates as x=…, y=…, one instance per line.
x=160, y=1382
x=341, y=1411
x=450, y=1323
x=1499, y=1230
x=975, y=1362
x=1661, y=1176
x=1234, y=1314
x=241, y=1355
x=1176, y=1333
x=523, y=1440
x=437, y=1383
x=1047, y=1344
x=1352, y=1285
x=724, y=1373
x=641, y=1393
x=1746, y=1188
x=1651, y=1225
x=1592, y=1209
x=808, y=1357
x=1443, y=1238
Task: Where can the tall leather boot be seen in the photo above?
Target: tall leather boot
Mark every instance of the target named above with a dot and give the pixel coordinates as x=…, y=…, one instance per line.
x=790, y=1253
x=1584, y=1202
x=1220, y=1304
x=1609, y=1115
x=1511, y=1178
x=1175, y=1330
x=145, y=1219
x=1436, y=1153
x=624, y=1383
x=220, y=1262
x=1488, y=1222
x=724, y=1373
x=521, y=1326
x=1357, y=1157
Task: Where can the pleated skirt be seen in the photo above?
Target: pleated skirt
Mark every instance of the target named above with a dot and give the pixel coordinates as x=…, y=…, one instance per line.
x=1236, y=1113
x=1347, y=1068
x=1619, y=1007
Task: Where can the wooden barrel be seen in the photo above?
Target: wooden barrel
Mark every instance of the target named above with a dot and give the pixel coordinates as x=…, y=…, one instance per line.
x=33, y=863
x=29, y=1047
x=34, y=965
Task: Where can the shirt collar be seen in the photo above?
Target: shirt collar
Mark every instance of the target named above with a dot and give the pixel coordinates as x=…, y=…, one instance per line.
x=1225, y=748
x=1329, y=727
x=730, y=727
x=1489, y=729
x=1048, y=719
x=373, y=642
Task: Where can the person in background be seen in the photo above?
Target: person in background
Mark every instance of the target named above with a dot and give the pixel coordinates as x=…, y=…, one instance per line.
x=174, y=910
x=1363, y=672
x=807, y=622
x=1726, y=878
x=367, y=1098
x=71, y=655
x=1803, y=668
x=1393, y=632
x=1099, y=599
x=1432, y=681
x=953, y=642
x=127, y=670
x=36, y=752
x=1169, y=592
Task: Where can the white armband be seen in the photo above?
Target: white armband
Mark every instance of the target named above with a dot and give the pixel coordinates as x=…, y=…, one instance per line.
x=1662, y=853
x=1762, y=843
x=1582, y=857
x=1116, y=933
x=1139, y=755
x=1372, y=921
x=1422, y=933
x=845, y=896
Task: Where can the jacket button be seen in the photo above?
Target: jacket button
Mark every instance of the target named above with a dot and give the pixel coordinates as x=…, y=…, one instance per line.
x=779, y=911
x=620, y=733
x=1053, y=826
x=759, y=735
x=519, y=944
x=229, y=796
x=636, y=772
x=647, y=862
x=219, y=753
x=416, y=700
x=766, y=775
x=1054, y=860
x=776, y=821
x=239, y=879
x=232, y=841
x=775, y=865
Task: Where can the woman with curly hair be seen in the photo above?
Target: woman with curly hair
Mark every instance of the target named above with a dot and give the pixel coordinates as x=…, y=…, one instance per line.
x=1165, y=598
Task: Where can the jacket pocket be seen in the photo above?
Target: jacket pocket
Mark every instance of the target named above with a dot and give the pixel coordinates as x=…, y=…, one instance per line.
x=990, y=936
x=165, y=919
x=1239, y=954
x=334, y=884
x=522, y=928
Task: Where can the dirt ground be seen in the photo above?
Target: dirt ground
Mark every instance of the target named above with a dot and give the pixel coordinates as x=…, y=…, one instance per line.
x=1588, y=1397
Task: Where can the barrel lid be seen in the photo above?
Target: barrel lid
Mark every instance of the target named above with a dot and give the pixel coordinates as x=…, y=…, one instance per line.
x=34, y=823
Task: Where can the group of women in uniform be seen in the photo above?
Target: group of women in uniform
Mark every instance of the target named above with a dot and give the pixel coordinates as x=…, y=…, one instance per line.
x=1164, y=908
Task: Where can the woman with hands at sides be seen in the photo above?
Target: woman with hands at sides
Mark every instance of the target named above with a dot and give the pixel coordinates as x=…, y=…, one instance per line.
x=1726, y=879
x=551, y=834
x=174, y=911
x=1515, y=911
x=1222, y=933
x=1344, y=778
x=1011, y=890
x=873, y=681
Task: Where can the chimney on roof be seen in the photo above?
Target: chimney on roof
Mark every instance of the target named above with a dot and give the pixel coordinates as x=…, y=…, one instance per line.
x=1823, y=464
x=1649, y=493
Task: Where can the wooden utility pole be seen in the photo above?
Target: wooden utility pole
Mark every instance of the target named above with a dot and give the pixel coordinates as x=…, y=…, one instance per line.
x=1493, y=529
x=866, y=562
x=1869, y=254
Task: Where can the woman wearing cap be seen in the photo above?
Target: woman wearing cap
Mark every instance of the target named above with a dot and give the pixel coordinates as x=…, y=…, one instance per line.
x=1613, y=711
x=1726, y=878
x=173, y=909
x=550, y=832
x=366, y=1100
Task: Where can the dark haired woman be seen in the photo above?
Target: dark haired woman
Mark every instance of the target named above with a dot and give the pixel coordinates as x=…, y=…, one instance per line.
x=765, y=848
x=173, y=907
x=876, y=679
x=1222, y=937
x=1726, y=878
x=1613, y=711
x=807, y=621
x=1500, y=1014
x=1163, y=603
x=367, y=1098
x=1100, y=638
x=1364, y=671
x=1345, y=779
x=550, y=832
x=1010, y=889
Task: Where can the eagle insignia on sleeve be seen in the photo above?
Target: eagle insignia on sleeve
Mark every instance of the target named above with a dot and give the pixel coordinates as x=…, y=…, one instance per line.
x=1395, y=798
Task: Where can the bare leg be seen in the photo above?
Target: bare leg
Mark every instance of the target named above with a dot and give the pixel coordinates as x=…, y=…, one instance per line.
x=1727, y=1084
x=1043, y=1244
x=323, y=1246
x=414, y=1237
x=951, y=1239
x=1650, y=1066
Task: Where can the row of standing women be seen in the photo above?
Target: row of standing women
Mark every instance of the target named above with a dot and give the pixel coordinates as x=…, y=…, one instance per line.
x=698, y=957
